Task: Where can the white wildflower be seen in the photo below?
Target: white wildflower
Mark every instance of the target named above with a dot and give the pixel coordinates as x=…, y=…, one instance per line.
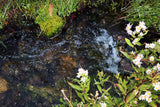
x=148, y=93
x=134, y=32
x=149, y=99
x=155, y=68
x=129, y=26
x=142, y=25
x=152, y=45
x=148, y=71
x=142, y=97
x=151, y=58
x=140, y=56
x=133, y=53
x=139, y=64
x=156, y=86
x=141, y=34
x=147, y=45
x=82, y=72
x=105, y=97
x=103, y=105
x=83, y=79
x=138, y=29
x=135, y=41
x=130, y=32
x=158, y=66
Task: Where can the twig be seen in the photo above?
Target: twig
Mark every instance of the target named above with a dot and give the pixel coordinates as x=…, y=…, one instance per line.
x=66, y=97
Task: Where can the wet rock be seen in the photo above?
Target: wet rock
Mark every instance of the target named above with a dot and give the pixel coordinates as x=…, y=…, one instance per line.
x=67, y=65
x=47, y=93
x=3, y=85
x=10, y=68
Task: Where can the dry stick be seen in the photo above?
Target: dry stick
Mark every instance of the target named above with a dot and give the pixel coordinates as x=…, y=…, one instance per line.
x=66, y=97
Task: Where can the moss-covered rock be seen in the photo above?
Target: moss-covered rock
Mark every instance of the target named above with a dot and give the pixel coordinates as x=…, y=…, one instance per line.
x=50, y=23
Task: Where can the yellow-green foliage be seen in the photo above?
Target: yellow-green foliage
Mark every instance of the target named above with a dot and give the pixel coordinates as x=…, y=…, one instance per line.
x=49, y=24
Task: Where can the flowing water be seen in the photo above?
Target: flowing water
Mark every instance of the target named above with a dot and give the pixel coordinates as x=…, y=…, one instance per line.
x=37, y=68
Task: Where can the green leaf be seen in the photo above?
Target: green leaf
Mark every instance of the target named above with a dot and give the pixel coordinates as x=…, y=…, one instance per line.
x=125, y=54
x=1, y=42
x=135, y=68
x=76, y=87
x=106, y=79
x=129, y=42
x=154, y=96
x=80, y=96
x=153, y=104
x=87, y=85
x=121, y=88
x=139, y=44
x=131, y=96
x=86, y=97
x=99, y=88
x=144, y=87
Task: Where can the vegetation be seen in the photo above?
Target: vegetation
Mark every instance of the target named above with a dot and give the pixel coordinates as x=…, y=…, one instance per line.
x=140, y=89
x=48, y=20
x=144, y=10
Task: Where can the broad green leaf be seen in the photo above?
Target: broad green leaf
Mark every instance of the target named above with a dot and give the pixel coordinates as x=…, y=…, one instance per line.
x=106, y=79
x=99, y=88
x=80, y=96
x=124, y=84
x=86, y=97
x=135, y=68
x=129, y=42
x=88, y=84
x=125, y=54
x=139, y=44
x=131, y=96
x=154, y=96
x=121, y=88
x=144, y=87
x=76, y=87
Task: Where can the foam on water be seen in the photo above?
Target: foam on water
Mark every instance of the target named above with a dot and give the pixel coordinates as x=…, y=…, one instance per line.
x=107, y=46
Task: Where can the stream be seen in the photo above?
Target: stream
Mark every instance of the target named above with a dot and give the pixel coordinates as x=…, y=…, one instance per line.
x=37, y=68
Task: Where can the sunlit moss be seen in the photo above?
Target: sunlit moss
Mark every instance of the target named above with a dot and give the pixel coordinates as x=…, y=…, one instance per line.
x=49, y=24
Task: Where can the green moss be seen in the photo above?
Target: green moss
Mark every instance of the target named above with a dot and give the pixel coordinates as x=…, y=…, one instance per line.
x=49, y=24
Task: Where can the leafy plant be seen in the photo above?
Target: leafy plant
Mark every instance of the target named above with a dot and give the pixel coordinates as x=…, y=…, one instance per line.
x=140, y=89
x=144, y=10
x=3, y=15
x=65, y=7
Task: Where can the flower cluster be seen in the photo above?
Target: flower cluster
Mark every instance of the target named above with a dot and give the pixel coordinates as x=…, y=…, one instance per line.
x=137, y=60
x=146, y=97
x=82, y=73
x=151, y=45
x=138, y=29
x=156, y=86
x=155, y=68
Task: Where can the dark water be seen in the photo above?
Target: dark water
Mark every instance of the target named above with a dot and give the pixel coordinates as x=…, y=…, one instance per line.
x=37, y=68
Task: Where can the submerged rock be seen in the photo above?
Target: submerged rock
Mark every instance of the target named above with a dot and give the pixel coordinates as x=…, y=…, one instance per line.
x=47, y=93
x=3, y=85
